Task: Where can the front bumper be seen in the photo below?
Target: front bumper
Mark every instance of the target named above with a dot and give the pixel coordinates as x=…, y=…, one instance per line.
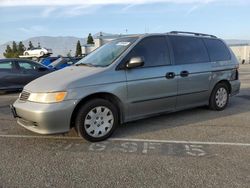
x=45, y=118
x=235, y=87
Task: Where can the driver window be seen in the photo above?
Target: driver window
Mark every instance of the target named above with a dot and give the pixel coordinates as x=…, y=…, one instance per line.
x=154, y=51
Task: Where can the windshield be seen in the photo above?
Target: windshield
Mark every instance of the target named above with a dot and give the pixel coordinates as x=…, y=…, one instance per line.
x=106, y=54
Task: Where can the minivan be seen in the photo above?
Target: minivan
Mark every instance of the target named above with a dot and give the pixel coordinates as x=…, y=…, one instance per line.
x=129, y=79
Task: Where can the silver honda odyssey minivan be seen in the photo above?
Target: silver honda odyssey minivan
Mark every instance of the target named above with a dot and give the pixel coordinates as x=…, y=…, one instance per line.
x=128, y=79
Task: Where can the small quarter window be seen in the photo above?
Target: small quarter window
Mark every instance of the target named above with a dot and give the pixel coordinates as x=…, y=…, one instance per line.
x=217, y=50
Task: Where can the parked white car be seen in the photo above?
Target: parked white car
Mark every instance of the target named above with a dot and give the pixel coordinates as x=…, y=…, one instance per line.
x=37, y=52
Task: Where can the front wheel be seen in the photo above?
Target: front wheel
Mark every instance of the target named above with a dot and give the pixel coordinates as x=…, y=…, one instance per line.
x=96, y=120
x=219, y=97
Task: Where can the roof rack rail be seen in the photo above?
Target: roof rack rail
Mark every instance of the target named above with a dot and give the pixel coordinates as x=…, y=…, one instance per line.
x=192, y=33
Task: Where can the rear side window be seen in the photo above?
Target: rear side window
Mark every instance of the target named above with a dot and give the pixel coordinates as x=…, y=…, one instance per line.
x=217, y=50
x=189, y=50
x=6, y=65
x=154, y=51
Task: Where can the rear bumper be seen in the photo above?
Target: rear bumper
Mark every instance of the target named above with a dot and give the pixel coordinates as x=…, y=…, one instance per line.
x=45, y=118
x=235, y=87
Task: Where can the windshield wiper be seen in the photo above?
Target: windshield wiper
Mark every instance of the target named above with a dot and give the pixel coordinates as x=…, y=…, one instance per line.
x=84, y=64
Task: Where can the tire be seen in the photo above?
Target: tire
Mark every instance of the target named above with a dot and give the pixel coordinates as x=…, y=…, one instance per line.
x=219, y=97
x=26, y=53
x=91, y=122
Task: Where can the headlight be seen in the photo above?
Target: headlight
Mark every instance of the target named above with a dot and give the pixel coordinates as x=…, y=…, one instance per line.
x=47, y=97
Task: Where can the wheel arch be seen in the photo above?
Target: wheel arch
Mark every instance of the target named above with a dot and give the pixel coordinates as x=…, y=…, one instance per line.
x=101, y=95
x=224, y=82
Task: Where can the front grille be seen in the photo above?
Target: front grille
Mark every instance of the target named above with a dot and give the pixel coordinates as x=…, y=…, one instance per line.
x=24, y=96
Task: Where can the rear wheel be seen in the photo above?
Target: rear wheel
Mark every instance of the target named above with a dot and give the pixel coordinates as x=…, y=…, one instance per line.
x=96, y=120
x=219, y=97
x=26, y=53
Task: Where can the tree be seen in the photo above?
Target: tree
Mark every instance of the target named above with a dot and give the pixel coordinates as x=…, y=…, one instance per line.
x=14, y=47
x=69, y=54
x=20, y=48
x=90, y=39
x=78, y=49
x=8, y=52
x=30, y=45
x=14, y=50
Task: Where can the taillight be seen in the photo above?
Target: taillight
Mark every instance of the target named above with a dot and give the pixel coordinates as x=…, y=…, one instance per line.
x=235, y=74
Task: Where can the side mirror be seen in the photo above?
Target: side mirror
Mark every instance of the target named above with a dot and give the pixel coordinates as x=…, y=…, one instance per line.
x=41, y=69
x=135, y=62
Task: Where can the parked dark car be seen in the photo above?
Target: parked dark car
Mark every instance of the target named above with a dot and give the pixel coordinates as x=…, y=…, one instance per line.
x=63, y=62
x=16, y=73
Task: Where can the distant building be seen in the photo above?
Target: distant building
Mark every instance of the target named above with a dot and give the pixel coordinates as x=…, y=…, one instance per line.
x=242, y=52
x=99, y=41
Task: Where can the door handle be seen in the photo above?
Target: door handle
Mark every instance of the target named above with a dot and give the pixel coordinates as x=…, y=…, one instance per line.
x=184, y=73
x=170, y=75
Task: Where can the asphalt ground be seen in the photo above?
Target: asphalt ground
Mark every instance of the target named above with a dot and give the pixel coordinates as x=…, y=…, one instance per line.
x=192, y=148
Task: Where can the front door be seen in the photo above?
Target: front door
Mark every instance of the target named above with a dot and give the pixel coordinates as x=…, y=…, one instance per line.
x=8, y=75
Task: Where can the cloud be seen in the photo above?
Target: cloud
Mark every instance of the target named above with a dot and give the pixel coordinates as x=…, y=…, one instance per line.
x=69, y=11
x=127, y=7
x=33, y=29
x=192, y=9
x=6, y=3
x=78, y=10
x=47, y=11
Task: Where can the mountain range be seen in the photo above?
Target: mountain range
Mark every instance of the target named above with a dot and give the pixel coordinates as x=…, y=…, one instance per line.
x=62, y=45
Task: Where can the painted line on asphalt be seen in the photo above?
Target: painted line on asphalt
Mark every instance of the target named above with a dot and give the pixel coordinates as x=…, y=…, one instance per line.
x=133, y=140
x=181, y=142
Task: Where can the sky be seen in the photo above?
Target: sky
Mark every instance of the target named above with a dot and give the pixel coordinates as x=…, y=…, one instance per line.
x=22, y=19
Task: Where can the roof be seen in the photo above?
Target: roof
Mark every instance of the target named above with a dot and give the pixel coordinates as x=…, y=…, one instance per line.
x=177, y=33
x=192, y=33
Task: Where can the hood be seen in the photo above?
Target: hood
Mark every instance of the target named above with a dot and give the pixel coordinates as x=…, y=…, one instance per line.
x=69, y=77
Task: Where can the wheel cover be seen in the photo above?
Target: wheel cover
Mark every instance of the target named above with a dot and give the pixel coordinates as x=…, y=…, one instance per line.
x=221, y=97
x=99, y=121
